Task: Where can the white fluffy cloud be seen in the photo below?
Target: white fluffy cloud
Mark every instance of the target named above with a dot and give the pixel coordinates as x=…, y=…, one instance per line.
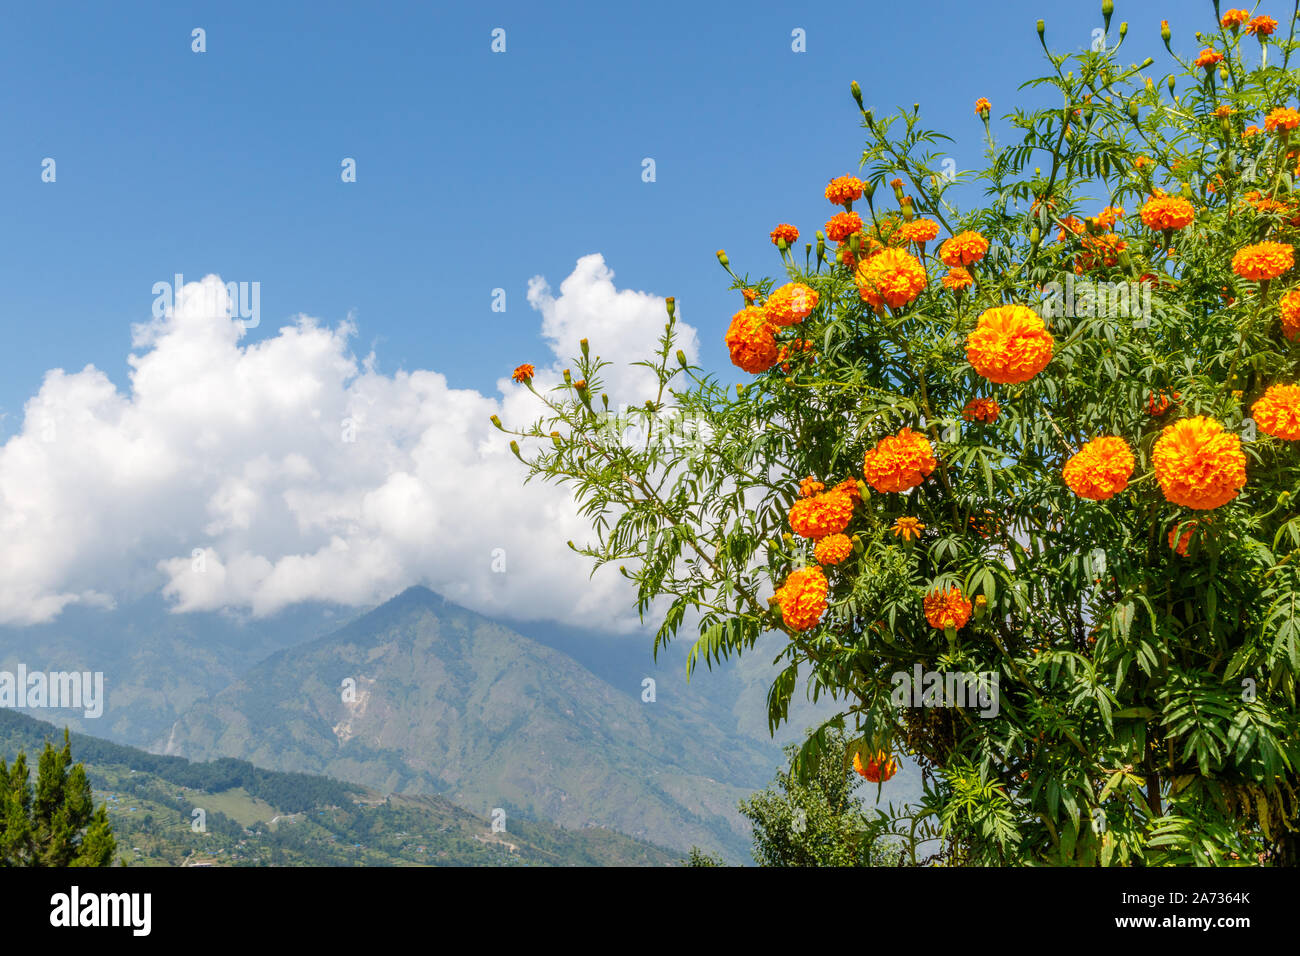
x=256, y=476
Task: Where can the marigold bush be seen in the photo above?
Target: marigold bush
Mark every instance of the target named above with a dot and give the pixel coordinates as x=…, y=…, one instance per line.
x=1137, y=594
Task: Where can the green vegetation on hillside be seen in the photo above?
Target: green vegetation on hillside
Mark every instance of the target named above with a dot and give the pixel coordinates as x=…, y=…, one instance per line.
x=252, y=817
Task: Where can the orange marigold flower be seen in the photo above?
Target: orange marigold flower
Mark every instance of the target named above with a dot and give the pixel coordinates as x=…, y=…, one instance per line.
x=523, y=373
x=1105, y=248
x=802, y=597
x=1250, y=130
x=751, y=340
x=1072, y=223
x=844, y=189
x=819, y=515
x=982, y=107
x=791, y=303
x=1223, y=111
x=898, y=462
x=1234, y=18
x=1264, y=203
x=1107, y=218
x=1184, y=539
x=833, y=549
x=810, y=486
x=1208, y=58
x=878, y=769
x=1009, y=345
x=981, y=410
x=1158, y=404
x=1142, y=161
x=1277, y=412
x=842, y=225
x=1289, y=307
x=1261, y=26
x=1284, y=117
x=957, y=279
x=945, y=609
x=908, y=528
x=1100, y=469
x=963, y=249
x=918, y=231
x=1263, y=260
x=1167, y=212
x=890, y=276
x=749, y=294
x=784, y=231
x=1198, y=464
x=849, y=486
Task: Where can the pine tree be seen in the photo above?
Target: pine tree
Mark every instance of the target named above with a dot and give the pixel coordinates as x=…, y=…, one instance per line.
x=56, y=823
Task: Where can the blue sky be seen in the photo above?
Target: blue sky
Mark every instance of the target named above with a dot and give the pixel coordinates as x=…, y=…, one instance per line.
x=257, y=472
x=475, y=170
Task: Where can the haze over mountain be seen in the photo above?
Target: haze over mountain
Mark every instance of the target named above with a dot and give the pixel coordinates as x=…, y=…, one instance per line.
x=155, y=663
x=551, y=725
x=448, y=701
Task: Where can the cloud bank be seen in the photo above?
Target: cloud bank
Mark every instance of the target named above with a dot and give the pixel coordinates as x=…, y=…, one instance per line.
x=254, y=476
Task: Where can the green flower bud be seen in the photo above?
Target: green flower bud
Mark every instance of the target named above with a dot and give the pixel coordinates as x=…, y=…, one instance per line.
x=671, y=304
x=857, y=93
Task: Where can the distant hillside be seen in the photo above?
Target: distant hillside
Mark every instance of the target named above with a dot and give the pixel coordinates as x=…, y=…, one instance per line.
x=155, y=663
x=450, y=702
x=258, y=817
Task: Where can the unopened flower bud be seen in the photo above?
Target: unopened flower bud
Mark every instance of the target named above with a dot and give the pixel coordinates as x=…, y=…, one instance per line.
x=514, y=447
x=857, y=93
x=1042, y=27
x=722, y=258
x=681, y=358
x=582, y=344
x=671, y=304
x=1164, y=32
x=496, y=421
